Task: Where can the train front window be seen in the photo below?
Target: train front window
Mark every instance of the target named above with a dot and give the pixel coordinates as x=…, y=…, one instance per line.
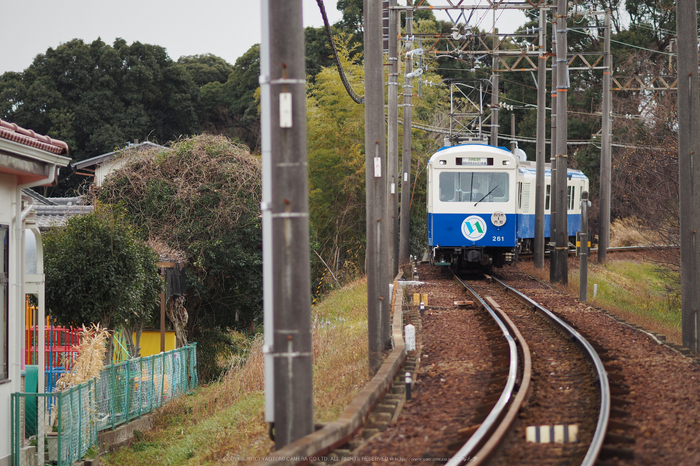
x=474, y=187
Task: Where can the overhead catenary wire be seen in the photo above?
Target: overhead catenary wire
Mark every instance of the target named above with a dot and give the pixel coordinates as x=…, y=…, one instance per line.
x=360, y=100
x=436, y=130
x=630, y=45
x=351, y=92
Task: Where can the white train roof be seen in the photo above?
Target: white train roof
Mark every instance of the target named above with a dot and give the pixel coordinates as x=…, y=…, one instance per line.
x=570, y=172
x=469, y=151
x=478, y=150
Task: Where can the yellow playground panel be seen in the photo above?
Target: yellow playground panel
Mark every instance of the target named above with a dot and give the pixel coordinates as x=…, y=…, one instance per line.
x=150, y=342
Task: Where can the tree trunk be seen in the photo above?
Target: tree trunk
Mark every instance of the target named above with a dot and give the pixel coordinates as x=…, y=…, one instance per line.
x=133, y=344
x=176, y=312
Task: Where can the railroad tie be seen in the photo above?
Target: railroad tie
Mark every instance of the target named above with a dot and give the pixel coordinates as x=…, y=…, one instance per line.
x=567, y=433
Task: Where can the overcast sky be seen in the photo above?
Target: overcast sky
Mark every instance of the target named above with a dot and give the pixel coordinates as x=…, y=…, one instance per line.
x=226, y=28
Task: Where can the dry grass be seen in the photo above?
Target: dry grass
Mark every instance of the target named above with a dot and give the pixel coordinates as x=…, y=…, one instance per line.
x=90, y=360
x=340, y=350
x=630, y=232
x=225, y=422
x=631, y=289
x=88, y=365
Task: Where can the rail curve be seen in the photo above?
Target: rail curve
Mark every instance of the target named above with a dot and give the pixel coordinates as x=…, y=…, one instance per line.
x=601, y=375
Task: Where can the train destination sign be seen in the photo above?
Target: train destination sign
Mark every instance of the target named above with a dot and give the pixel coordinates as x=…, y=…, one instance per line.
x=474, y=160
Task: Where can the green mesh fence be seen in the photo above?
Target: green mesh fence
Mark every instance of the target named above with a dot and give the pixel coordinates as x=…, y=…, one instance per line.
x=64, y=425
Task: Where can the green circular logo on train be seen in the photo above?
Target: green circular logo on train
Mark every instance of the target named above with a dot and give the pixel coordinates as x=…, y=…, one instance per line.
x=474, y=228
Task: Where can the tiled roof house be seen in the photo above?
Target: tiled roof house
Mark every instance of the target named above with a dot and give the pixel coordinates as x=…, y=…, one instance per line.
x=55, y=211
x=27, y=160
x=102, y=165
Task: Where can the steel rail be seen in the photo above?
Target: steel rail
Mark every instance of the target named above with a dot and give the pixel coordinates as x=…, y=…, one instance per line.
x=604, y=414
x=523, y=394
x=466, y=453
x=637, y=248
x=572, y=251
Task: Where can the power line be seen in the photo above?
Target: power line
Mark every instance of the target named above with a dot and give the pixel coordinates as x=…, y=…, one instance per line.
x=348, y=88
x=581, y=142
x=628, y=45
x=665, y=31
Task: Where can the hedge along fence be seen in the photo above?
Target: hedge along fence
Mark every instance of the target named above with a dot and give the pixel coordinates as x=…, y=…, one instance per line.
x=71, y=418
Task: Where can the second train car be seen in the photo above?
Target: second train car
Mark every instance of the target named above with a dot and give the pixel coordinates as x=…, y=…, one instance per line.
x=481, y=205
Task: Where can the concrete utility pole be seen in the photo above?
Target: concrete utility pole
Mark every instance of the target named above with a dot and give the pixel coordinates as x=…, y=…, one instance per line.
x=375, y=177
x=393, y=144
x=561, y=256
x=285, y=209
x=689, y=168
x=538, y=247
x=494, y=93
x=553, y=158
x=583, y=250
x=605, y=150
x=405, y=224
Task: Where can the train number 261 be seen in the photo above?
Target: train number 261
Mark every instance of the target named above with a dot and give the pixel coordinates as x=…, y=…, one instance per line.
x=499, y=238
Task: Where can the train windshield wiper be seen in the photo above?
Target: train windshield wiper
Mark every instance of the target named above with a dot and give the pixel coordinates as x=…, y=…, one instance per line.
x=486, y=195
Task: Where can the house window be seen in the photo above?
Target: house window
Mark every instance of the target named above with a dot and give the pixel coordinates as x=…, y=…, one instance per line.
x=4, y=289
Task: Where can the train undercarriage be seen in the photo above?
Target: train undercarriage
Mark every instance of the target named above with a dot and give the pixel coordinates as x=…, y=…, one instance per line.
x=473, y=258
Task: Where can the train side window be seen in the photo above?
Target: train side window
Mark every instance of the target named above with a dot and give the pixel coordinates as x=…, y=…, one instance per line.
x=580, y=193
x=570, y=197
x=546, y=196
x=520, y=194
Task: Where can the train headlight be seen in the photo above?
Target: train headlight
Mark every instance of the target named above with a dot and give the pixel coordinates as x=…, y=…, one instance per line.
x=498, y=219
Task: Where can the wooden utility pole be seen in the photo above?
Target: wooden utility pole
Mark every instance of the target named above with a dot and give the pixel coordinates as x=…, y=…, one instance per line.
x=538, y=247
x=285, y=209
x=405, y=223
x=378, y=301
x=561, y=254
x=689, y=168
x=605, y=150
x=393, y=144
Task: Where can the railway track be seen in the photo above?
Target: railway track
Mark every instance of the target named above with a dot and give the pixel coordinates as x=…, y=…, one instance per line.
x=614, y=249
x=462, y=366
x=540, y=372
x=563, y=400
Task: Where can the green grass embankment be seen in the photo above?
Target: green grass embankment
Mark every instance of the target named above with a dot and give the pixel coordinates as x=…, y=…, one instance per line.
x=634, y=289
x=225, y=421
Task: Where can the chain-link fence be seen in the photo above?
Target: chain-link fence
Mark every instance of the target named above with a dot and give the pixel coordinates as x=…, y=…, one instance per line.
x=64, y=425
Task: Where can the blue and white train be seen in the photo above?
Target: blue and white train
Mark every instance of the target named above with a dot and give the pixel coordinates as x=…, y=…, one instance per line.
x=481, y=206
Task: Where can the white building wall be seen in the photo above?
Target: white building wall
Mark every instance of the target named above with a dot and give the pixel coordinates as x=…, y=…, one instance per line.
x=9, y=198
x=106, y=168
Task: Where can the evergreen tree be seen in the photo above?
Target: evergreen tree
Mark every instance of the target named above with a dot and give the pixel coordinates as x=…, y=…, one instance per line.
x=97, y=97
